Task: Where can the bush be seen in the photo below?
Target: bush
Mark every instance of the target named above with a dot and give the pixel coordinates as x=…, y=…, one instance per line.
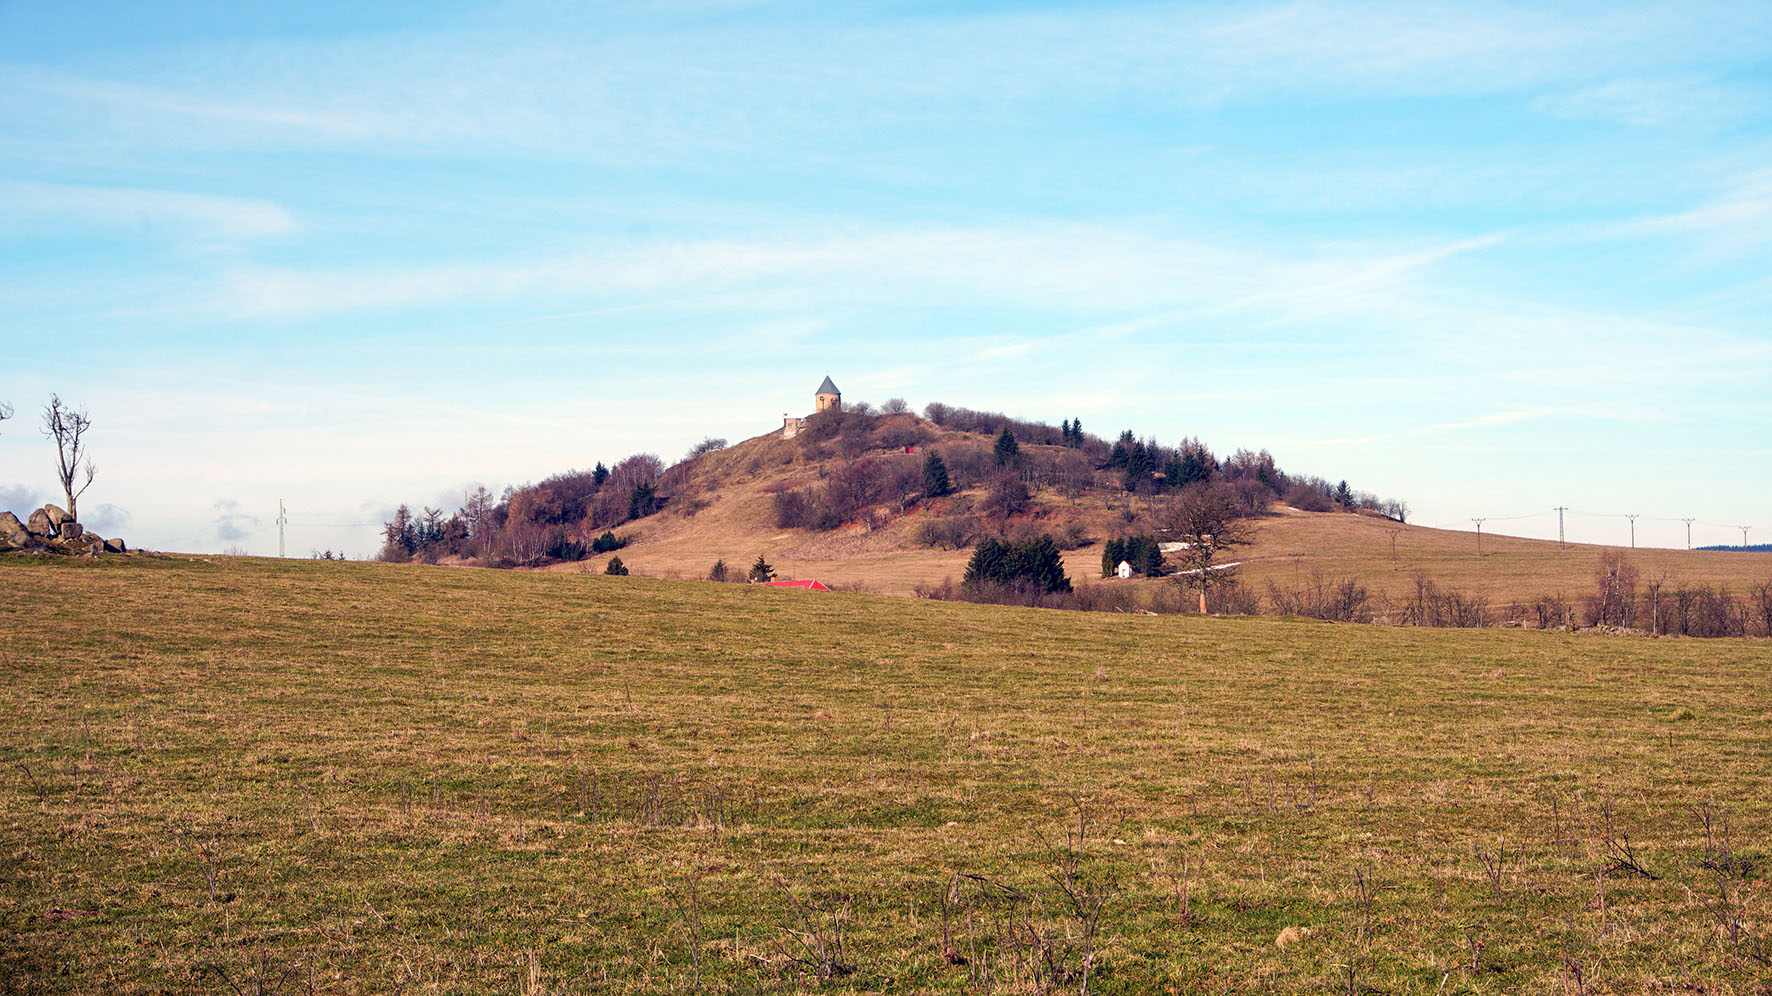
x=616, y=568
x=1008, y=496
x=608, y=543
x=949, y=533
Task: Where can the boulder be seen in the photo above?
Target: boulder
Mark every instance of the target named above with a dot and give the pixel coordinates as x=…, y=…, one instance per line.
x=12, y=531
x=57, y=515
x=68, y=529
x=86, y=546
x=115, y=546
x=38, y=525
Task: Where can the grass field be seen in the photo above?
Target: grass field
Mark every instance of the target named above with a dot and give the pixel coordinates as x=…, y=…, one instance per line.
x=257, y=776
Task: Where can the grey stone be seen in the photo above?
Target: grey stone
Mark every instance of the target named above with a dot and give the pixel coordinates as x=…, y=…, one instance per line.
x=57, y=515
x=116, y=546
x=38, y=525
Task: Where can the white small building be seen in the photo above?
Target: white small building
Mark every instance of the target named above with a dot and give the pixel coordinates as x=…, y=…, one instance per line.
x=1123, y=571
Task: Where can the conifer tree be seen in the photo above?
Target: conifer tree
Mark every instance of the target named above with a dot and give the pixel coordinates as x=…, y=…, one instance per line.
x=761, y=571
x=1007, y=448
x=935, y=476
x=616, y=568
x=1111, y=555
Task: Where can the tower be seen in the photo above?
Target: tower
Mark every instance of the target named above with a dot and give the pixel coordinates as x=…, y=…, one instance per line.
x=828, y=397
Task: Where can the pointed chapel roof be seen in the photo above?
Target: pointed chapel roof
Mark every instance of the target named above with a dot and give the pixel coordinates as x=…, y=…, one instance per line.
x=827, y=387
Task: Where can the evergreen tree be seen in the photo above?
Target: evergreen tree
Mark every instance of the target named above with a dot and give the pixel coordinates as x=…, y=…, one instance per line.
x=1064, y=430
x=989, y=564
x=761, y=571
x=1172, y=472
x=616, y=568
x=1343, y=496
x=1039, y=562
x=1111, y=555
x=935, y=476
x=719, y=571
x=1007, y=448
x=599, y=475
x=1036, y=564
x=1076, y=433
x=642, y=501
x=1140, y=465
x=1196, y=465
x=1122, y=451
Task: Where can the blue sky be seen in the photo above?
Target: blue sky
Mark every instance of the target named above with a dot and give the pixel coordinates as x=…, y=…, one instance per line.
x=1485, y=258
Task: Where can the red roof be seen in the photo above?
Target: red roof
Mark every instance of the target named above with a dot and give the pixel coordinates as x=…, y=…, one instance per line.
x=808, y=584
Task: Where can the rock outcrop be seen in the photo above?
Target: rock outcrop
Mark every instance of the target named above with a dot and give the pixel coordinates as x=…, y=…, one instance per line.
x=51, y=529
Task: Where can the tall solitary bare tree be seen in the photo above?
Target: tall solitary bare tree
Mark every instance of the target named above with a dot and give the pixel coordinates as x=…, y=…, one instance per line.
x=67, y=425
x=1205, y=517
x=5, y=411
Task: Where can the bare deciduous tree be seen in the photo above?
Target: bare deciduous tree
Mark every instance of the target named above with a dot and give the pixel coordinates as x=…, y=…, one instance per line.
x=5, y=411
x=1206, y=518
x=67, y=425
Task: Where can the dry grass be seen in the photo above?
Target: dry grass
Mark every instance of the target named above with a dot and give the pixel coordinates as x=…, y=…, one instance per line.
x=345, y=778
x=1509, y=569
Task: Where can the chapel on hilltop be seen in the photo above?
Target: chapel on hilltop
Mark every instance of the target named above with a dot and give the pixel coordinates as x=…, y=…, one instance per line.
x=827, y=398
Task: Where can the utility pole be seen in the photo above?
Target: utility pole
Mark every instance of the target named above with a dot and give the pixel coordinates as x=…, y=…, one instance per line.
x=1394, y=533
x=1633, y=530
x=282, y=520
x=1560, y=510
x=1688, y=523
x=1479, y=523
x=1295, y=557
x=1744, y=530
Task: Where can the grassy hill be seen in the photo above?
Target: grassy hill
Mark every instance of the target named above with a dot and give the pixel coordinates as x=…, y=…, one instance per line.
x=732, y=518
x=229, y=775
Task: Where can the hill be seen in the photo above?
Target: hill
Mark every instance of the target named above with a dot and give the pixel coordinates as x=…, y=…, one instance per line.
x=729, y=515
x=260, y=776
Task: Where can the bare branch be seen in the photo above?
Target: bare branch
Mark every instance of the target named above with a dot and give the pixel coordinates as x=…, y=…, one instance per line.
x=67, y=426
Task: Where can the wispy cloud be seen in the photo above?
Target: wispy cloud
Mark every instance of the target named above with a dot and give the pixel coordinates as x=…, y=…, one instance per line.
x=128, y=207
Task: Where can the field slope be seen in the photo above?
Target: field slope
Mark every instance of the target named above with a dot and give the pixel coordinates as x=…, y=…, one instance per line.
x=230, y=775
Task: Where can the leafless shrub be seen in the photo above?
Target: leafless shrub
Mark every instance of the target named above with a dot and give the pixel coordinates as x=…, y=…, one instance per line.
x=1322, y=597
x=1494, y=867
x=1616, y=843
x=209, y=854
x=1553, y=611
x=259, y=977
x=819, y=929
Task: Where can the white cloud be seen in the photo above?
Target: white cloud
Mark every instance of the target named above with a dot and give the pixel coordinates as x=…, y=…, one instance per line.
x=128, y=207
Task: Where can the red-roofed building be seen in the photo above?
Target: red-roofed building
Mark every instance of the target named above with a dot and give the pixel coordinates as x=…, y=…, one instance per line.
x=808, y=584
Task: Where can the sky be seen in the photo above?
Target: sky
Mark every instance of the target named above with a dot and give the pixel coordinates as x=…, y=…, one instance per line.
x=1489, y=259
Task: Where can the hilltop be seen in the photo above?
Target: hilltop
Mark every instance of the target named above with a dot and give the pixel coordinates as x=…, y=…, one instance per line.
x=841, y=497
x=732, y=518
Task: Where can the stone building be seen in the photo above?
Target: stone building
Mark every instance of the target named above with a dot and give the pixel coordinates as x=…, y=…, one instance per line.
x=826, y=399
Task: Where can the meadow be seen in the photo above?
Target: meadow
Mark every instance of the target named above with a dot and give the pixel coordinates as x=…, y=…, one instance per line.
x=233, y=775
